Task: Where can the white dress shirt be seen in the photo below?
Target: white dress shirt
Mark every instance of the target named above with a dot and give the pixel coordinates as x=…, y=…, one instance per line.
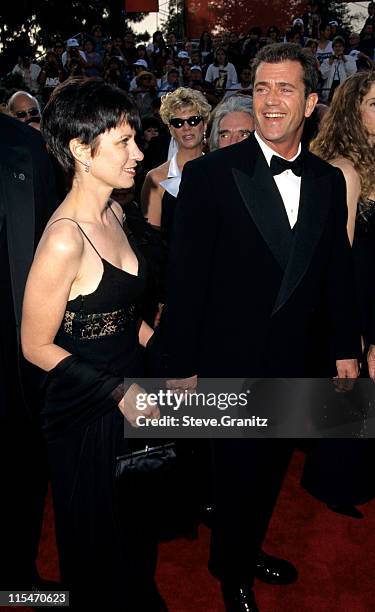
x=288, y=184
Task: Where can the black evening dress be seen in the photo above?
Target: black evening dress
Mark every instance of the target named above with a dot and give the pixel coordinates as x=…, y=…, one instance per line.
x=339, y=471
x=107, y=557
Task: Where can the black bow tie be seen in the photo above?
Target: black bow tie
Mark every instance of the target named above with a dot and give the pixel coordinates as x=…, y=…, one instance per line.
x=279, y=165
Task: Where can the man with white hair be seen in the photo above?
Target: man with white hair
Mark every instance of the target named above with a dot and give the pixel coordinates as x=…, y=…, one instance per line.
x=233, y=121
x=25, y=107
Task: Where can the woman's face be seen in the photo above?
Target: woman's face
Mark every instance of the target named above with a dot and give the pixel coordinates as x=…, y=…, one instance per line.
x=115, y=161
x=149, y=133
x=338, y=49
x=220, y=56
x=188, y=136
x=368, y=112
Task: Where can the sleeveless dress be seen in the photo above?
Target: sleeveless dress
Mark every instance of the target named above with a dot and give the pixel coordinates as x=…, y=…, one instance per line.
x=106, y=557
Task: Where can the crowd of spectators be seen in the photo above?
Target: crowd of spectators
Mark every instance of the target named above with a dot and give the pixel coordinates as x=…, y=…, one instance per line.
x=217, y=65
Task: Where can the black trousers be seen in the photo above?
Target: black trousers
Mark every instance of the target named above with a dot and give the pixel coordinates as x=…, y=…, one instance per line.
x=248, y=475
x=23, y=463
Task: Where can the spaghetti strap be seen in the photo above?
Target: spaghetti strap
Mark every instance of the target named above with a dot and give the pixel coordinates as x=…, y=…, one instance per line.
x=80, y=228
x=116, y=217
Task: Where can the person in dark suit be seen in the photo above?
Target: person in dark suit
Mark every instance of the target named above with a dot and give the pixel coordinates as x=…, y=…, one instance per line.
x=27, y=199
x=259, y=246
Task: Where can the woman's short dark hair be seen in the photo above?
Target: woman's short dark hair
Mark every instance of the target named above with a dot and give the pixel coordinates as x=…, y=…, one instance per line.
x=84, y=109
x=282, y=52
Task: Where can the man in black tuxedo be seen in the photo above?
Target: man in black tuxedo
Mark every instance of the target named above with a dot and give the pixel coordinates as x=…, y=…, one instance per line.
x=260, y=246
x=27, y=199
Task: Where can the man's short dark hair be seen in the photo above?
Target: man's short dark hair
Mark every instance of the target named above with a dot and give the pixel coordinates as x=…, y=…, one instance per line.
x=282, y=52
x=84, y=110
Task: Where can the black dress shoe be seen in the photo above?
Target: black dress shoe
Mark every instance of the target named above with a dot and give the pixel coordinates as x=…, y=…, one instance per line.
x=346, y=510
x=274, y=570
x=238, y=599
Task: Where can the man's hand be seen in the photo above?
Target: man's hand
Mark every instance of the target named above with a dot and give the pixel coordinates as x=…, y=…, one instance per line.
x=347, y=368
x=183, y=384
x=347, y=372
x=131, y=411
x=371, y=361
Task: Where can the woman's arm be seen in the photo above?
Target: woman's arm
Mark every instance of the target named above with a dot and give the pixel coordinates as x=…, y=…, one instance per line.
x=353, y=192
x=54, y=269
x=151, y=197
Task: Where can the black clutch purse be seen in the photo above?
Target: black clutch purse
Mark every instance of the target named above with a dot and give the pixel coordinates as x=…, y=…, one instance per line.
x=151, y=461
x=158, y=481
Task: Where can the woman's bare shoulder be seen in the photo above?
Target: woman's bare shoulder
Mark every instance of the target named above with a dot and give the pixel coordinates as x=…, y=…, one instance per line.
x=158, y=174
x=347, y=167
x=61, y=237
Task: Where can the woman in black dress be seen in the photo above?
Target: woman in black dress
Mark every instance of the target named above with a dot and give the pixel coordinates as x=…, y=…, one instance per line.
x=81, y=325
x=339, y=471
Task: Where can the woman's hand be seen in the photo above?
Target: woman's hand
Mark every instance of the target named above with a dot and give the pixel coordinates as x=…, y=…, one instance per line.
x=136, y=403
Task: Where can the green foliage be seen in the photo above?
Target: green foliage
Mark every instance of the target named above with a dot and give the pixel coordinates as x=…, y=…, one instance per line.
x=38, y=22
x=175, y=21
x=329, y=9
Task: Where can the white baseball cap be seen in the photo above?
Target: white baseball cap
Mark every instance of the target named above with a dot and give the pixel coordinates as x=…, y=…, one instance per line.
x=183, y=55
x=298, y=21
x=72, y=42
x=141, y=62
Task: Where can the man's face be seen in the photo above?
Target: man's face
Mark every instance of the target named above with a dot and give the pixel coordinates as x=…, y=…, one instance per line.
x=235, y=127
x=172, y=77
x=353, y=40
x=196, y=75
x=25, y=60
x=280, y=105
x=26, y=109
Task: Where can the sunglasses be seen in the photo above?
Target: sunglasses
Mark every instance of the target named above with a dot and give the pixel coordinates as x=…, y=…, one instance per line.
x=32, y=112
x=194, y=120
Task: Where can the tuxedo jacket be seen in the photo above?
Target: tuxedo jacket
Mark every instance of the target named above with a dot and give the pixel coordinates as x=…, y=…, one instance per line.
x=28, y=195
x=246, y=293
x=28, y=198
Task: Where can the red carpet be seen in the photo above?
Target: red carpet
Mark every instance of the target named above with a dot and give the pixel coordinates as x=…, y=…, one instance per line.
x=335, y=557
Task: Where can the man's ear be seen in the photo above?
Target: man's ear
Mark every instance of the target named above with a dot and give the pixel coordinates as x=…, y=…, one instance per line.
x=81, y=152
x=311, y=102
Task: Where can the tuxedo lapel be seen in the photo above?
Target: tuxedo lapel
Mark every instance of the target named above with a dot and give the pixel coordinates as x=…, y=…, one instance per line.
x=312, y=214
x=264, y=204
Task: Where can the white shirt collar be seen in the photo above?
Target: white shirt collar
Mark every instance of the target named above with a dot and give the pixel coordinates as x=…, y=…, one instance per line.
x=172, y=182
x=268, y=152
